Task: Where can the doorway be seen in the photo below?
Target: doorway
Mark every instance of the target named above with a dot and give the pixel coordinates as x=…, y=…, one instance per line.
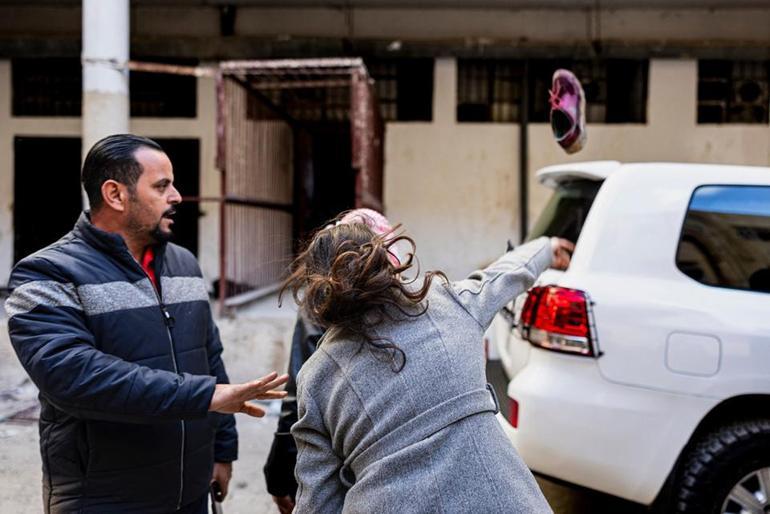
x=46, y=192
x=185, y=158
x=327, y=178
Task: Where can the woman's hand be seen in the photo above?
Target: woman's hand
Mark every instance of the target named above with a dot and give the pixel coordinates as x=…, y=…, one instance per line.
x=561, y=250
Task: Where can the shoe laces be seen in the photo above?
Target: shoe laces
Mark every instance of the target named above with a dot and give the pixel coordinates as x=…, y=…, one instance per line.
x=554, y=95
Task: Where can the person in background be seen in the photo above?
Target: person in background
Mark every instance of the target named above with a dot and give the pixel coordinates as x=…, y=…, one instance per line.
x=279, y=468
x=113, y=325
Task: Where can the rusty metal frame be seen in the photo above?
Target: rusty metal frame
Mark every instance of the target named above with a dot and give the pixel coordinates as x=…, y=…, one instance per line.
x=256, y=76
x=301, y=84
x=171, y=69
x=365, y=121
x=221, y=165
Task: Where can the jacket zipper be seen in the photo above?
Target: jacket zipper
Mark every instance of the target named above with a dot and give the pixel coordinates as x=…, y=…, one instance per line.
x=168, y=320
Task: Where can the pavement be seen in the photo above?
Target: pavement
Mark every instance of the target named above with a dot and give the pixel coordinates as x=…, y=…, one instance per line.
x=256, y=341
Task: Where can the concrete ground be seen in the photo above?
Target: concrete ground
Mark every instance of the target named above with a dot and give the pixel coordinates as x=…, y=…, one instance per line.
x=256, y=342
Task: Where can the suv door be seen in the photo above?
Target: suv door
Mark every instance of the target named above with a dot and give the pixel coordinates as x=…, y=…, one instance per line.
x=690, y=315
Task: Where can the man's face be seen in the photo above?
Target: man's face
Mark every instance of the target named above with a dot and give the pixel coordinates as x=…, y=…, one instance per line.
x=152, y=204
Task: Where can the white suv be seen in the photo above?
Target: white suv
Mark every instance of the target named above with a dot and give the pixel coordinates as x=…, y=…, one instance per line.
x=643, y=371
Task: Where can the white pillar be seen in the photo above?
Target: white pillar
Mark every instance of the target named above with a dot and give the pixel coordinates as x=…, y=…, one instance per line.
x=445, y=91
x=6, y=173
x=673, y=93
x=105, y=75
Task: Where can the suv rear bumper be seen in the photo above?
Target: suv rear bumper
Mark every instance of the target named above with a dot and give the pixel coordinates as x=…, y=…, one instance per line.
x=622, y=440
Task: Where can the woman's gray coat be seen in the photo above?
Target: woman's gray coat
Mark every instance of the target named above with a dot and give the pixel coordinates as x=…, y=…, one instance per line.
x=424, y=439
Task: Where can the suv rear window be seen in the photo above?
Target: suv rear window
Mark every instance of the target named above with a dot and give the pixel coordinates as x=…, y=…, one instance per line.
x=725, y=239
x=566, y=211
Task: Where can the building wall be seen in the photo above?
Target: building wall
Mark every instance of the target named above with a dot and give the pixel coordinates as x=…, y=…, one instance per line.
x=727, y=25
x=203, y=128
x=454, y=186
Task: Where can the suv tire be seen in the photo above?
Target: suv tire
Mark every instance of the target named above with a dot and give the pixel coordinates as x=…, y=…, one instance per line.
x=718, y=462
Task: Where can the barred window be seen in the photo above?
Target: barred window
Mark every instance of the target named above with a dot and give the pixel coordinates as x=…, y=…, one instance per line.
x=310, y=103
x=54, y=87
x=46, y=87
x=404, y=88
x=161, y=95
x=489, y=90
x=616, y=89
x=733, y=91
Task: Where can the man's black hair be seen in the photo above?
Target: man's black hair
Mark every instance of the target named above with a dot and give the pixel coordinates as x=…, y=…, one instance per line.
x=112, y=158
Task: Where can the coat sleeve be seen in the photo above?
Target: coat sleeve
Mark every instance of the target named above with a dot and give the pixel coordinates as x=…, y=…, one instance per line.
x=318, y=467
x=487, y=291
x=51, y=337
x=226, y=439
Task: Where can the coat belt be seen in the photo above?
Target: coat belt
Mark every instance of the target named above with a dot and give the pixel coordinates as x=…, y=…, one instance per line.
x=419, y=428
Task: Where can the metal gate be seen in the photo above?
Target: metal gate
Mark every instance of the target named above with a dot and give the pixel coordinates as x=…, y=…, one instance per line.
x=260, y=133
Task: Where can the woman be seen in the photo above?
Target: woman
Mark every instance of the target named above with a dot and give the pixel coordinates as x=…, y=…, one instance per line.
x=395, y=415
x=279, y=468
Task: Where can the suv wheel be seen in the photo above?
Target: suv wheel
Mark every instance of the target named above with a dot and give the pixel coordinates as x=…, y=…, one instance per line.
x=727, y=472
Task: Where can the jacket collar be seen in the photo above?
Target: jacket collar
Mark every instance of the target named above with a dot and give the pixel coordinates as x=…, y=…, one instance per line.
x=111, y=243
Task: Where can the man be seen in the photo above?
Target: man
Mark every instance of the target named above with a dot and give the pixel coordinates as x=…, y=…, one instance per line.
x=113, y=325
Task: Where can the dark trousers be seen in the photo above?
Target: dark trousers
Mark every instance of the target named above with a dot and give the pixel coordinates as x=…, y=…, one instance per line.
x=200, y=506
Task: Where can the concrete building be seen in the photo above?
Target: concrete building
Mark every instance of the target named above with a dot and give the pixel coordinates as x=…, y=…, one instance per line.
x=462, y=87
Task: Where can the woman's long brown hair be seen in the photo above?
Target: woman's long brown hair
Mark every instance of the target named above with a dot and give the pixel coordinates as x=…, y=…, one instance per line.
x=345, y=280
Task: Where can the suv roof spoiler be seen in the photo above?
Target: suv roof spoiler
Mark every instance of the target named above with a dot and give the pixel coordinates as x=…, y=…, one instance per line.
x=551, y=176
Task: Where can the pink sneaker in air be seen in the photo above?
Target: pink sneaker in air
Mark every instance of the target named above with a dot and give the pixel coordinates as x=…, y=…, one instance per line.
x=568, y=105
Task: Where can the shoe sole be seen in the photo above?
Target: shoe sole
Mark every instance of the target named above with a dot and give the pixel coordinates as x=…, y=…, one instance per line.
x=581, y=140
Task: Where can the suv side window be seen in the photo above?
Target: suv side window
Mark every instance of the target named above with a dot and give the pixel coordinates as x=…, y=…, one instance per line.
x=725, y=239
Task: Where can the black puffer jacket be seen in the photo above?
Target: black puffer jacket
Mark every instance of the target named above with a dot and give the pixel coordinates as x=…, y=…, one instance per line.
x=125, y=372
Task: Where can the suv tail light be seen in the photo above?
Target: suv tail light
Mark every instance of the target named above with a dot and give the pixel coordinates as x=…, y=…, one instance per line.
x=513, y=414
x=559, y=319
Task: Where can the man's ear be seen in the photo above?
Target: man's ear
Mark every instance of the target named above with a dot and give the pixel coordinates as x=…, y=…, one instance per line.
x=114, y=195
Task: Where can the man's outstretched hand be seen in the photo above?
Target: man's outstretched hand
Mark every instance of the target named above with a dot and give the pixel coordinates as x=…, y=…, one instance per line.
x=234, y=398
